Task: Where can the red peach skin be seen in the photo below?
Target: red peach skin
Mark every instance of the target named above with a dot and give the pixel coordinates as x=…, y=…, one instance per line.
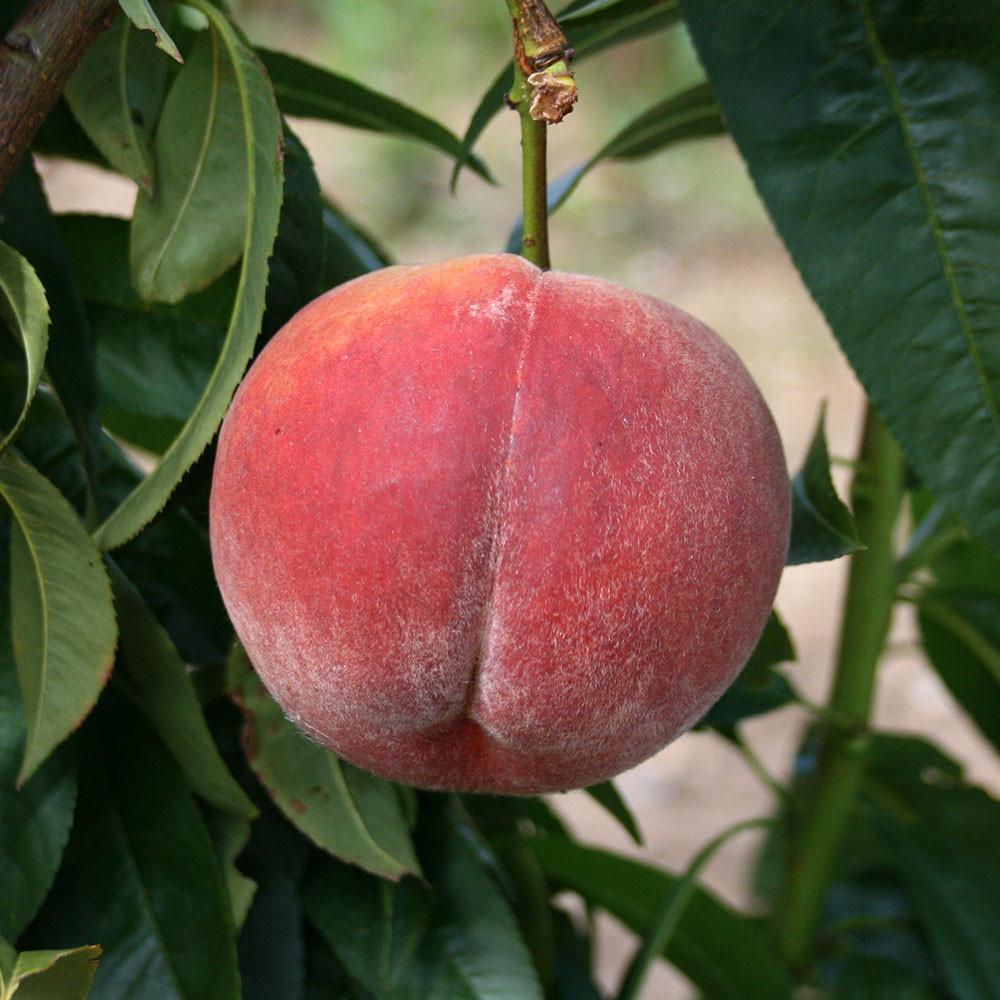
x=485, y=528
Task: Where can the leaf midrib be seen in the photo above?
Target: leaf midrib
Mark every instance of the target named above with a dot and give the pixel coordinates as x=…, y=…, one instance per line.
x=196, y=174
x=357, y=821
x=937, y=230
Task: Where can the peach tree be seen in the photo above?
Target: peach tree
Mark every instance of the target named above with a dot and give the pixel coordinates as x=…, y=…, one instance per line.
x=165, y=831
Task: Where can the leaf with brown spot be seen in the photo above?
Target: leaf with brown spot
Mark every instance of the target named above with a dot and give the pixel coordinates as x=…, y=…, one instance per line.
x=347, y=812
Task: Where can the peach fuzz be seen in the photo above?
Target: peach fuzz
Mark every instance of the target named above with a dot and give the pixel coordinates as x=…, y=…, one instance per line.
x=485, y=528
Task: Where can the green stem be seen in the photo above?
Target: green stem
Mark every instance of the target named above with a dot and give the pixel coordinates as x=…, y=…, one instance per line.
x=876, y=493
x=543, y=93
x=534, y=187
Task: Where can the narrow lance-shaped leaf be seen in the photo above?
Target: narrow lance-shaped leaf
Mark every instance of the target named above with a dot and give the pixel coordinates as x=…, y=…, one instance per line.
x=142, y=15
x=195, y=227
x=691, y=114
x=115, y=94
x=307, y=91
x=258, y=137
x=26, y=312
x=608, y=796
x=874, y=147
x=725, y=954
x=34, y=821
x=349, y=813
x=63, y=620
x=51, y=975
x=140, y=874
x=822, y=527
x=27, y=224
x=158, y=680
x=671, y=908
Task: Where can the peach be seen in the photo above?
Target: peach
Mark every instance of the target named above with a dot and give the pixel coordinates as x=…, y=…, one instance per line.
x=485, y=528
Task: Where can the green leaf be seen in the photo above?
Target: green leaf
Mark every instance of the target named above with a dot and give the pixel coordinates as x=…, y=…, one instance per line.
x=142, y=15
x=822, y=527
x=689, y=115
x=959, y=616
x=194, y=229
x=961, y=637
x=271, y=946
x=271, y=950
x=34, y=820
x=52, y=975
x=29, y=227
x=402, y=941
x=307, y=91
x=258, y=140
x=373, y=927
x=607, y=795
x=24, y=309
x=63, y=620
x=298, y=263
x=153, y=360
x=725, y=954
x=869, y=130
x=230, y=834
x=116, y=94
x=940, y=835
x=589, y=33
x=759, y=688
x=140, y=874
x=571, y=975
x=351, y=814
x=160, y=684
x=671, y=909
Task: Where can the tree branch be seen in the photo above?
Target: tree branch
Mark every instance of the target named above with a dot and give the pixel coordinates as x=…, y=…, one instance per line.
x=37, y=57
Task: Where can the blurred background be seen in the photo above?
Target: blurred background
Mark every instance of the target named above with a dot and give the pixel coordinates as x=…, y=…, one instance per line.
x=684, y=225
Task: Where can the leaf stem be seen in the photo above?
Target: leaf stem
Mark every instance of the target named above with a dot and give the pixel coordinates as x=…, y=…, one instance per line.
x=877, y=493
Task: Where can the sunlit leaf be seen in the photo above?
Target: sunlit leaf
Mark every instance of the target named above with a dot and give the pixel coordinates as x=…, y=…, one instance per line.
x=23, y=307
x=116, y=93
x=257, y=136
x=51, y=975
x=142, y=15
x=63, y=621
x=343, y=810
